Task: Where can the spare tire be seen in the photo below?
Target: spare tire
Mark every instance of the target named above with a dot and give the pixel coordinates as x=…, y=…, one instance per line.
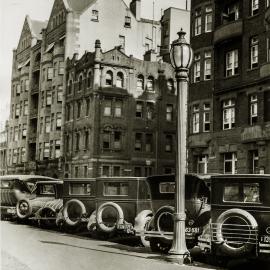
x=23, y=208
x=164, y=220
x=236, y=232
x=73, y=212
x=118, y=218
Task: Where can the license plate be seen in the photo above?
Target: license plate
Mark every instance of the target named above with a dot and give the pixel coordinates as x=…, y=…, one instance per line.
x=124, y=226
x=192, y=230
x=11, y=211
x=265, y=238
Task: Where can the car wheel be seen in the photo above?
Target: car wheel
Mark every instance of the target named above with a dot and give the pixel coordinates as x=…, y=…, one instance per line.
x=158, y=246
x=47, y=221
x=146, y=222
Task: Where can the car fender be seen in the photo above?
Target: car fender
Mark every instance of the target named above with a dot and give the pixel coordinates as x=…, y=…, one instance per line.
x=140, y=219
x=92, y=221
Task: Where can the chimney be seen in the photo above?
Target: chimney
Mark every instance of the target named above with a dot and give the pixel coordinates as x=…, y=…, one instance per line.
x=97, y=50
x=135, y=8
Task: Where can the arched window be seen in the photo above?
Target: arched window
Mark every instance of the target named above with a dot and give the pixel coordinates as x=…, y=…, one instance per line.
x=150, y=84
x=140, y=82
x=89, y=77
x=120, y=80
x=170, y=86
x=109, y=78
x=80, y=82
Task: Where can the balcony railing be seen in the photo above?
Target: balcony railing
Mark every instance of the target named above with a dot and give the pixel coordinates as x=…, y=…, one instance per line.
x=228, y=30
x=253, y=133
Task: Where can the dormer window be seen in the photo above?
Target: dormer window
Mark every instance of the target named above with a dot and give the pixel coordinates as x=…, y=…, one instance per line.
x=127, y=21
x=94, y=15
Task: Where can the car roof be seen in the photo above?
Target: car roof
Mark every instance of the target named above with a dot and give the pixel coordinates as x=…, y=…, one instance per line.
x=243, y=177
x=24, y=177
x=59, y=182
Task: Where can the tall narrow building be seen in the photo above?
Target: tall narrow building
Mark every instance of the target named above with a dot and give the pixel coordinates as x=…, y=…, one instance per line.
x=229, y=129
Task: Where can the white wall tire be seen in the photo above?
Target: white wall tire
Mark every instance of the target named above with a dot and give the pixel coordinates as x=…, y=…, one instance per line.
x=80, y=206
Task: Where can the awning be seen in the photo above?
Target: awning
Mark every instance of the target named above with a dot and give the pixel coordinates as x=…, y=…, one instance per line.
x=50, y=47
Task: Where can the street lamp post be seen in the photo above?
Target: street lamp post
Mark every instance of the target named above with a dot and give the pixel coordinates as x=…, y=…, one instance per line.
x=181, y=58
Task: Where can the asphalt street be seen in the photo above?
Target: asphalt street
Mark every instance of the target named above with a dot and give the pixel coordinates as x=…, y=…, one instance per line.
x=25, y=247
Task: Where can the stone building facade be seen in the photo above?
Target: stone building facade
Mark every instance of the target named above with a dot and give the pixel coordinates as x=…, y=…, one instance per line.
x=3, y=149
x=229, y=127
x=120, y=115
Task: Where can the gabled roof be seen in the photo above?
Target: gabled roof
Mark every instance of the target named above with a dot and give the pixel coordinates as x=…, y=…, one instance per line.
x=36, y=27
x=78, y=5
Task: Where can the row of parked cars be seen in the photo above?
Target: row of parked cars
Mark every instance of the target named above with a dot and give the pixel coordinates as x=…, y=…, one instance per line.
x=227, y=215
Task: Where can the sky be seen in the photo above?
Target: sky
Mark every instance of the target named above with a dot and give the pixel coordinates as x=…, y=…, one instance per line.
x=12, y=15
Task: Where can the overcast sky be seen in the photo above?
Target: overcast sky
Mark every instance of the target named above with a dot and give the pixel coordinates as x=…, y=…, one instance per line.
x=12, y=15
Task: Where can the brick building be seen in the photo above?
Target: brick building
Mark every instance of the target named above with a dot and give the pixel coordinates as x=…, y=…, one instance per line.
x=3, y=148
x=37, y=109
x=229, y=127
x=120, y=115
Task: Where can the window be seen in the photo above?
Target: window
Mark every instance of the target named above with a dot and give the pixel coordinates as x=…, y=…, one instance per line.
x=149, y=143
x=94, y=15
x=228, y=114
x=137, y=171
x=26, y=85
x=18, y=89
x=76, y=171
x=87, y=107
x=85, y=171
x=230, y=163
x=253, y=109
x=170, y=86
x=122, y=42
x=231, y=193
x=79, y=108
x=52, y=121
x=49, y=73
x=109, y=78
x=77, y=141
x=147, y=47
x=202, y=162
x=169, y=112
x=80, y=83
x=107, y=107
x=81, y=189
x=41, y=125
x=254, y=50
x=232, y=13
x=48, y=98
x=57, y=148
x=68, y=108
x=58, y=120
x=105, y=170
x=120, y=80
x=254, y=161
x=86, y=139
x=47, y=124
x=195, y=118
x=208, y=19
x=118, y=108
x=69, y=86
x=61, y=68
x=17, y=110
x=198, y=23
x=24, y=131
x=231, y=63
x=116, y=189
x=251, y=192
x=89, y=77
x=16, y=134
x=149, y=110
x=25, y=106
x=197, y=68
x=117, y=140
x=51, y=149
x=55, y=69
x=168, y=143
x=116, y=170
x=15, y=156
x=60, y=94
x=206, y=117
x=138, y=142
x=267, y=3
x=168, y=187
x=140, y=82
x=139, y=109
x=127, y=21
x=106, y=140
x=254, y=7
x=46, y=152
x=23, y=152
x=207, y=65
x=150, y=84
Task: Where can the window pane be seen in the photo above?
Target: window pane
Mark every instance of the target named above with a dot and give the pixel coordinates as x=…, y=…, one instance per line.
x=115, y=189
x=251, y=192
x=232, y=193
x=80, y=189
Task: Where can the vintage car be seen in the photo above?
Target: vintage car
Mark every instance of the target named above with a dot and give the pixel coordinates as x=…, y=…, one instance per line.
x=14, y=188
x=160, y=229
x=106, y=205
x=45, y=205
x=240, y=217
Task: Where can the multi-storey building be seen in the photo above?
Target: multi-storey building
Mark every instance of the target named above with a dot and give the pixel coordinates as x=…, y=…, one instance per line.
x=229, y=115
x=3, y=149
x=120, y=115
x=39, y=78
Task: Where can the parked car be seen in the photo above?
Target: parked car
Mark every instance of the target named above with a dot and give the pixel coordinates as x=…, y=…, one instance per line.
x=45, y=205
x=160, y=229
x=14, y=188
x=240, y=217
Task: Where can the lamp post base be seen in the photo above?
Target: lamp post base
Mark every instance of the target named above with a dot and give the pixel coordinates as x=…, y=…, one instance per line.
x=179, y=258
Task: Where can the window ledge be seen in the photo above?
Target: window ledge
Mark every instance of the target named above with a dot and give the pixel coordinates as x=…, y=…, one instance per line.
x=230, y=77
x=253, y=69
x=253, y=16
